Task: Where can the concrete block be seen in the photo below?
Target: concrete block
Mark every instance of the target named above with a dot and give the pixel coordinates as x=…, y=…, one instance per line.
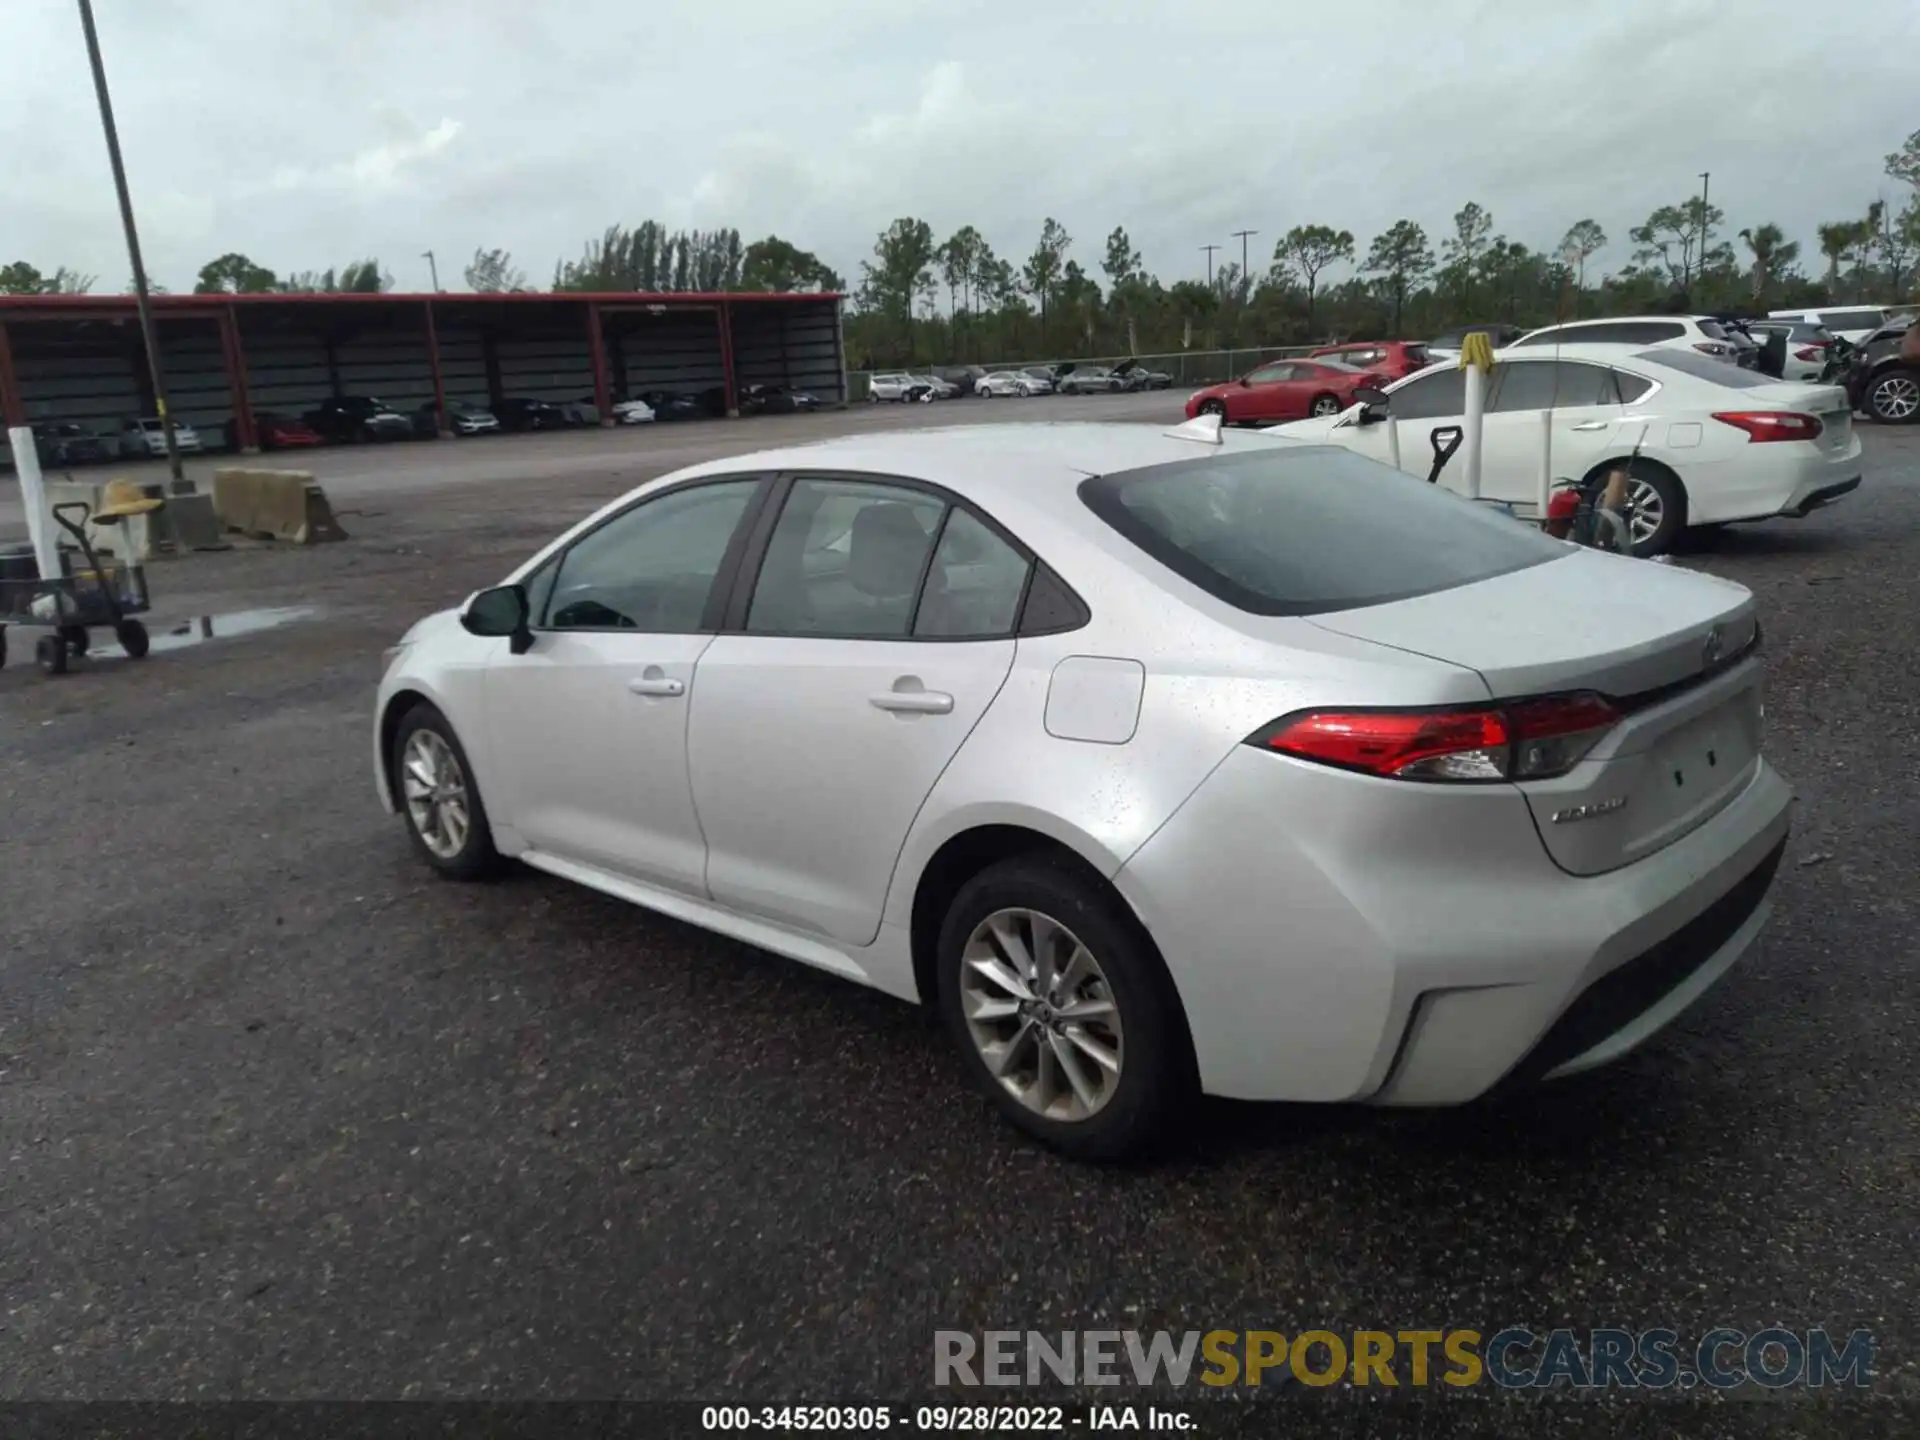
x=281, y=505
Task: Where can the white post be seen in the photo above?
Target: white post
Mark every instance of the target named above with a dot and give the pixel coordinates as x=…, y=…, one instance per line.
x=1546, y=464
x=1470, y=439
x=1393, y=441
x=33, y=499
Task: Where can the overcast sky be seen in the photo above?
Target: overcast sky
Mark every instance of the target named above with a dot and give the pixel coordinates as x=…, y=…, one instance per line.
x=306, y=134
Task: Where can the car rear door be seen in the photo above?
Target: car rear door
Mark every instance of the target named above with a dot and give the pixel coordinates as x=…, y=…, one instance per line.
x=861, y=650
x=1586, y=411
x=589, y=725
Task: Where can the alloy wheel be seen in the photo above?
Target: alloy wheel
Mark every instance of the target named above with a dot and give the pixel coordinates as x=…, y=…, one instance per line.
x=1896, y=398
x=1648, y=509
x=1042, y=1015
x=1326, y=405
x=436, y=794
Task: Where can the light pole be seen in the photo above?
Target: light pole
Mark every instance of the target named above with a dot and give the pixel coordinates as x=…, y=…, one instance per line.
x=1705, y=176
x=432, y=269
x=1209, y=249
x=1246, y=278
x=155, y=370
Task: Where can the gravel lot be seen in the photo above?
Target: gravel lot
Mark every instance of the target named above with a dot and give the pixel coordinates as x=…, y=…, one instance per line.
x=283, y=1117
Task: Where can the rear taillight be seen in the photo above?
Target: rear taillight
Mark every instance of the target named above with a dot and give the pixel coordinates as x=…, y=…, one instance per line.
x=1708, y=347
x=1764, y=425
x=1816, y=351
x=1522, y=740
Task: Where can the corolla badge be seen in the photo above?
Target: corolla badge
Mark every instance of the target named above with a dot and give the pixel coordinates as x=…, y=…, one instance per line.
x=1714, y=648
x=1589, y=812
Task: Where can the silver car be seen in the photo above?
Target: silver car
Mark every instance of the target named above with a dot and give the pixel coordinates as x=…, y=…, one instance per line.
x=146, y=438
x=895, y=386
x=1011, y=382
x=1158, y=762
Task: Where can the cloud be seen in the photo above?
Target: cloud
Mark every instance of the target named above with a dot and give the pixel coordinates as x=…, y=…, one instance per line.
x=379, y=168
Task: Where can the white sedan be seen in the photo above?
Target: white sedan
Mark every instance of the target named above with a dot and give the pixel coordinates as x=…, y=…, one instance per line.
x=1011, y=382
x=1721, y=444
x=1158, y=762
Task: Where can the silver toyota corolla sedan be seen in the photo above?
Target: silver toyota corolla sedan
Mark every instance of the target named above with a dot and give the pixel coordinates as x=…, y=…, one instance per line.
x=1161, y=762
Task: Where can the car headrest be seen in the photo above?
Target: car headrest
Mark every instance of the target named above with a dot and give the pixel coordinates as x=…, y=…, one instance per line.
x=886, y=551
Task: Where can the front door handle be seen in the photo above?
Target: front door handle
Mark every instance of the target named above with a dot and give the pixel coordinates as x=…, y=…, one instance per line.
x=1592, y=425
x=914, y=702
x=653, y=683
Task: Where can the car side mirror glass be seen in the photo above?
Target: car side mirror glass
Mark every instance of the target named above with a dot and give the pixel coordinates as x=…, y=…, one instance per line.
x=500, y=611
x=1371, y=396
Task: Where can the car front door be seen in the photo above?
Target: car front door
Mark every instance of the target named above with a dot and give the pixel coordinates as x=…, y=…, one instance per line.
x=1586, y=412
x=1269, y=394
x=873, y=637
x=588, y=727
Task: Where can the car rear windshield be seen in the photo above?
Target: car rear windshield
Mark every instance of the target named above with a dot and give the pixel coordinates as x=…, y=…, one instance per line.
x=1310, y=529
x=1853, y=319
x=1705, y=367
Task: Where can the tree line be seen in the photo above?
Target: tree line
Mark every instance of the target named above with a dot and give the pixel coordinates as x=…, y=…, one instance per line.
x=922, y=299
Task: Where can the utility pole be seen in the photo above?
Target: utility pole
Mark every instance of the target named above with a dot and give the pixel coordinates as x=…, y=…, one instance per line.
x=432, y=269
x=1705, y=176
x=156, y=372
x=1210, y=249
x=1246, y=276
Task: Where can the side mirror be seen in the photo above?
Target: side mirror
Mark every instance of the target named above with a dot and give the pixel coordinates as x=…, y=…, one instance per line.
x=1372, y=397
x=500, y=611
x=1246, y=383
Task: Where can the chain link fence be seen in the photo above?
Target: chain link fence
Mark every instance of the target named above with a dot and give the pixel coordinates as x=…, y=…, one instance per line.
x=1189, y=369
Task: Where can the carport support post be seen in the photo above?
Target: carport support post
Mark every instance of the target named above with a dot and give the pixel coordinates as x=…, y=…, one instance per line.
x=13, y=412
x=726, y=360
x=597, y=351
x=235, y=359
x=441, y=429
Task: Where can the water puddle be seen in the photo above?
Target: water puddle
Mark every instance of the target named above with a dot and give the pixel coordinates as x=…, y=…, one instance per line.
x=202, y=629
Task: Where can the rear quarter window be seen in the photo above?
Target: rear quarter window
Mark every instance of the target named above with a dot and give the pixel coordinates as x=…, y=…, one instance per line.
x=1310, y=529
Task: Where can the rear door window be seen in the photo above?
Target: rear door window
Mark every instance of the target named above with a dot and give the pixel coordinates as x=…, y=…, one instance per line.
x=1309, y=530
x=1545, y=384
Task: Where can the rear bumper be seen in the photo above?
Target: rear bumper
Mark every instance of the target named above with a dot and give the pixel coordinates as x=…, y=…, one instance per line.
x=1821, y=495
x=1422, y=953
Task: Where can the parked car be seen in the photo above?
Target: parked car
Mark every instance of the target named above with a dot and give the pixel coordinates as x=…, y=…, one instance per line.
x=1089, y=380
x=1395, y=359
x=1879, y=381
x=964, y=378
x=1746, y=345
x=1311, y=839
x=356, y=418
x=1718, y=443
x=1444, y=348
x=518, y=412
x=1684, y=332
x=1136, y=376
x=65, y=443
x=1807, y=346
x=273, y=431
x=673, y=405
x=1011, y=382
x=146, y=438
x=935, y=387
x=897, y=386
x=633, y=412
x=1282, y=390
x=775, y=400
x=1049, y=375
x=1851, y=323
x=463, y=419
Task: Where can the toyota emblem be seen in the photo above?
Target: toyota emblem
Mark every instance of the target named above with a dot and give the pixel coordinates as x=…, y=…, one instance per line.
x=1716, y=644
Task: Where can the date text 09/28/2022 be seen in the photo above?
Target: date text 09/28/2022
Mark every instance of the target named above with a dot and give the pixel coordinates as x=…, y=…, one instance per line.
x=945, y=1419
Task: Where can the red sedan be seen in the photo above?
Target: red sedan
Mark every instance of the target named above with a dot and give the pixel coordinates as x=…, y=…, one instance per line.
x=1395, y=359
x=1283, y=390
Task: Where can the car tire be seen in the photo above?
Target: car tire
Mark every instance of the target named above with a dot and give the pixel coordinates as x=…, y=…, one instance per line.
x=1893, y=398
x=1324, y=405
x=1152, y=1079
x=427, y=741
x=1651, y=484
x=1215, y=407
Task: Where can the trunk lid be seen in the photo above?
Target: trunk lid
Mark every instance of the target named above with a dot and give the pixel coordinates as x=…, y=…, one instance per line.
x=1670, y=647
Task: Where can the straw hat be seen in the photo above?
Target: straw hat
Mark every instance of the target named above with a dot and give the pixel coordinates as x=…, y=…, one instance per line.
x=122, y=499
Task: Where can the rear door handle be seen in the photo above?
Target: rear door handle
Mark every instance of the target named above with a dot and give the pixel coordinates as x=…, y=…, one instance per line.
x=1593, y=425
x=657, y=685
x=914, y=702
